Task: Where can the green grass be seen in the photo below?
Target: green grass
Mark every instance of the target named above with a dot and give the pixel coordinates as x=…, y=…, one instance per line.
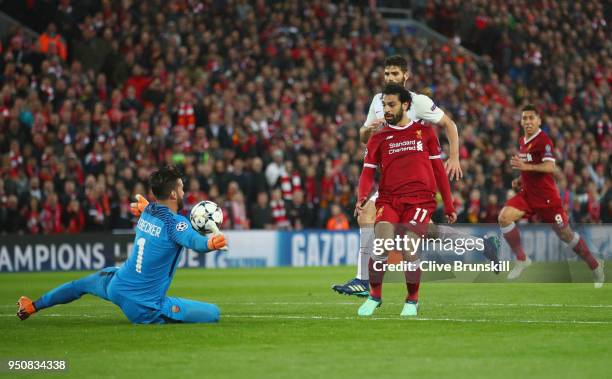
x=287, y=323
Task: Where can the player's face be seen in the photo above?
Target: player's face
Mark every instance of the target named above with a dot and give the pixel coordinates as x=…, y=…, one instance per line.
x=179, y=193
x=394, y=74
x=393, y=109
x=530, y=121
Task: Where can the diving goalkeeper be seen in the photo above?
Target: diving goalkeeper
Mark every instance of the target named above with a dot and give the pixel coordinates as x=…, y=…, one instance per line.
x=139, y=286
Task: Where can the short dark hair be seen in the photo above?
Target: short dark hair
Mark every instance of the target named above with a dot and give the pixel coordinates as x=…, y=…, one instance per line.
x=530, y=108
x=402, y=93
x=164, y=181
x=398, y=61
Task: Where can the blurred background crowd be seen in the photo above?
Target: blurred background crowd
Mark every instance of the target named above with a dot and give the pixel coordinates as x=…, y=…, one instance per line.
x=259, y=103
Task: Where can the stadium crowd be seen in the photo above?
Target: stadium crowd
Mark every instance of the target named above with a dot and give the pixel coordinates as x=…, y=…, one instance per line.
x=259, y=103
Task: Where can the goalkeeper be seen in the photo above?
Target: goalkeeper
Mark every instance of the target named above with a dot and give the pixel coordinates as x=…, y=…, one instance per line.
x=139, y=286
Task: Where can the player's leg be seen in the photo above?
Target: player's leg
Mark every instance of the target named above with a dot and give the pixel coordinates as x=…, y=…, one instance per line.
x=574, y=241
x=94, y=284
x=384, y=228
x=177, y=309
x=514, y=210
x=359, y=286
x=416, y=218
x=376, y=262
x=413, y=280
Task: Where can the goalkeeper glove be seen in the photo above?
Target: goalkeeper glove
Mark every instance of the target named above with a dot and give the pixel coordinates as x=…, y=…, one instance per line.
x=139, y=206
x=216, y=242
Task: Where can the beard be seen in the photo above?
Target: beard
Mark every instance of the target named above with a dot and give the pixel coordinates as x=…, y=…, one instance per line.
x=396, y=118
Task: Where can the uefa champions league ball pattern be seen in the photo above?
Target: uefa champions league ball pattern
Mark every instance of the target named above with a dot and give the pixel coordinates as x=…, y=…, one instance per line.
x=204, y=215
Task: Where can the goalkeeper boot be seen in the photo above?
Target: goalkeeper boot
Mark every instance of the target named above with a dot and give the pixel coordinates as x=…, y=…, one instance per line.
x=410, y=309
x=518, y=268
x=26, y=308
x=491, y=249
x=356, y=287
x=370, y=305
x=598, y=274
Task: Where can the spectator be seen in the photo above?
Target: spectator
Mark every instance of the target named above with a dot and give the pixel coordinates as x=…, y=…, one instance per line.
x=51, y=215
x=300, y=214
x=337, y=220
x=279, y=211
x=275, y=168
x=237, y=212
x=14, y=221
x=289, y=181
x=74, y=218
x=261, y=213
x=259, y=181
x=33, y=216
x=491, y=210
x=52, y=43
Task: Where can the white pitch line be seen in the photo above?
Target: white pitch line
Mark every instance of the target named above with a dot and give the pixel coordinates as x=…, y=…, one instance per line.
x=108, y=305
x=299, y=317
x=431, y=304
x=333, y=318
x=537, y=305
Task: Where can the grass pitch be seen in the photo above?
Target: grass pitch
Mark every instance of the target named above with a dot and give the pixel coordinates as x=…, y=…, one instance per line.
x=287, y=323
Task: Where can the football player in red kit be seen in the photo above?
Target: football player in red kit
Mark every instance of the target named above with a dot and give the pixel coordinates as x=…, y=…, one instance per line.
x=407, y=153
x=539, y=195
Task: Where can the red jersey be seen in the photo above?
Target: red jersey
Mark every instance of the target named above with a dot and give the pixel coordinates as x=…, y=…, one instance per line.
x=402, y=153
x=539, y=187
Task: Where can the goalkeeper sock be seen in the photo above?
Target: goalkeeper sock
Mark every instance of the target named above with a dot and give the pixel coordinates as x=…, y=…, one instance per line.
x=366, y=240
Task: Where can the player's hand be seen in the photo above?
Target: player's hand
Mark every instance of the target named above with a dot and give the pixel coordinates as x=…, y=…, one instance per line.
x=359, y=207
x=517, y=184
x=216, y=242
x=369, y=129
x=452, y=217
x=453, y=169
x=518, y=164
x=139, y=206
x=376, y=123
x=215, y=232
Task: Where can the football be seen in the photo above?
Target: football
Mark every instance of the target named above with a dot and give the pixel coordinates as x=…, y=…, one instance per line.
x=206, y=217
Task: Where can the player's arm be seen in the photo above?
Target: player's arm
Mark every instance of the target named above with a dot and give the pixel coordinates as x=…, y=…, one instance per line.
x=444, y=188
x=370, y=125
x=426, y=110
x=453, y=166
x=366, y=131
x=366, y=179
x=184, y=235
x=366, y=182
x=435, y=158
x=547, y=166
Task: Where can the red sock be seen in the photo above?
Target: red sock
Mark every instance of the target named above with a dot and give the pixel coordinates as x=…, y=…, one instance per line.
x=376, y=279
x=514, y=240
x=582, y=249
x=413, y=281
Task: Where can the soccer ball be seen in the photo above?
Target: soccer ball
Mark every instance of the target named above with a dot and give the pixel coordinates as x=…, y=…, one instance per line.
x=206, y=217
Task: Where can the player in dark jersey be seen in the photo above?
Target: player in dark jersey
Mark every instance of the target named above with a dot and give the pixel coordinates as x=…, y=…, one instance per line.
x=539, y=195
x=407, y=152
